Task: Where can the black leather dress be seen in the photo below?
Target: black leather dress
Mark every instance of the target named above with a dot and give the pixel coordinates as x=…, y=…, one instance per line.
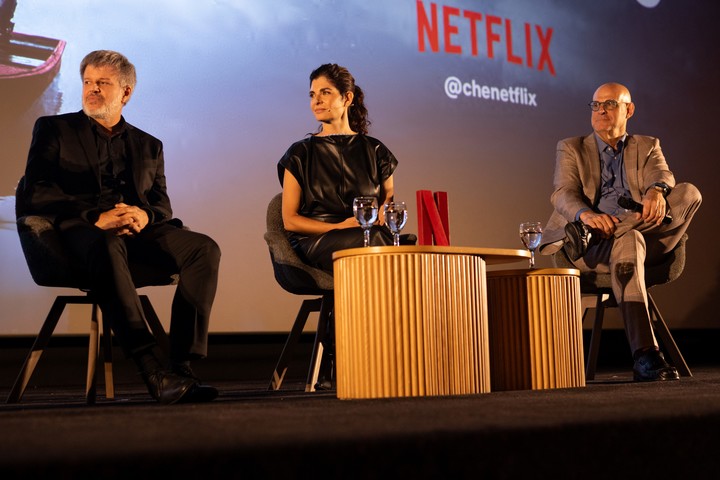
x=332, y=171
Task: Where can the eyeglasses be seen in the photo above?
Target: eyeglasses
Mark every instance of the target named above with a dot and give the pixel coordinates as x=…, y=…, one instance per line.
x=607, y=105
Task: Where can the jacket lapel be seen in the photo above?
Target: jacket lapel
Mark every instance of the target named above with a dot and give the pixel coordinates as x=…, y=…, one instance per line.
x=630, y=159
x=592, y=172
x=87, y=142
x=137, y=163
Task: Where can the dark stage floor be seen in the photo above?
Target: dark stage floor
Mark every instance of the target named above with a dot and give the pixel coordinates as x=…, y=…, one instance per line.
x=611, y=428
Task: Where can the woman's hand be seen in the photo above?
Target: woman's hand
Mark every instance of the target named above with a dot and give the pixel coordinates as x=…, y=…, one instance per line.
x=347, y=223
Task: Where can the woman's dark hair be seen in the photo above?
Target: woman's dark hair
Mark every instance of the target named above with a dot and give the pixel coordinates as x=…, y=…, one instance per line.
x=341, y=79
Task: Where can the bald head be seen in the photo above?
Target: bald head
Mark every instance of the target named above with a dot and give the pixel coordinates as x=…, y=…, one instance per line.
x=615, y=108
x=617, y=91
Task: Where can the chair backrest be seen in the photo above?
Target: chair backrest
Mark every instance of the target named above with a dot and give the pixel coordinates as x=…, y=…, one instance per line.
x=291, y=272
x=668, y=270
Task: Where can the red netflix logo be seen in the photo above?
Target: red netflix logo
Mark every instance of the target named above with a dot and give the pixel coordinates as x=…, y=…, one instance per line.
x=483, y=30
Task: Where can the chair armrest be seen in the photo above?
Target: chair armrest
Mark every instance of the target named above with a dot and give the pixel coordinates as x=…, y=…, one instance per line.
x=45, y=254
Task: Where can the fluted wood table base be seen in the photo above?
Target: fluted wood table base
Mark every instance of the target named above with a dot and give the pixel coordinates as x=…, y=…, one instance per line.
x=411, y=321
x=535, y=328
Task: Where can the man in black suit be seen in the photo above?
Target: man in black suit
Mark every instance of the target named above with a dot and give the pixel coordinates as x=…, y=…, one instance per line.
x=101, y=181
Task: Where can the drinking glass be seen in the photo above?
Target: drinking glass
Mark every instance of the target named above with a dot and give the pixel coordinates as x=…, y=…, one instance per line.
x=365, y=210
x=531, y=235
x=395, y=218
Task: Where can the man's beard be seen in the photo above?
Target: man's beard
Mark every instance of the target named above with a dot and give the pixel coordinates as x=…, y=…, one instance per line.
x=104, y=111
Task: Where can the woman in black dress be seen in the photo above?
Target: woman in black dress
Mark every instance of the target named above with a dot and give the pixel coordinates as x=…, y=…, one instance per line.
x=323, y=173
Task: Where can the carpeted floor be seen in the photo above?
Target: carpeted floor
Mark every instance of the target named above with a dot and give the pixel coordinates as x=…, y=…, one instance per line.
x=611, y=428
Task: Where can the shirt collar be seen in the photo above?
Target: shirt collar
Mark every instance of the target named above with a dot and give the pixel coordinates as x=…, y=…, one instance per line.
x=602, y=146
x=118, y=129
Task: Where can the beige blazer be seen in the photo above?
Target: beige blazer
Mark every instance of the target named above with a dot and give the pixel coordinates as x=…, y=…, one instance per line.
x=577, y=177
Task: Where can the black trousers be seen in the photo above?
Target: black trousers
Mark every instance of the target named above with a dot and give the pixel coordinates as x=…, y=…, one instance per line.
x=317, y=250
x=113, y=260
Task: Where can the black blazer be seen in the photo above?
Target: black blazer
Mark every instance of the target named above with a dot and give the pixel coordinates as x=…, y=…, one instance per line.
x=62, y=177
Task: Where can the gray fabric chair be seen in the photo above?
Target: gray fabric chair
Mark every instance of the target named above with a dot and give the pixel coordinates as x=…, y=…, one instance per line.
x=296, y=277
x=599, y=285
x=51, y=266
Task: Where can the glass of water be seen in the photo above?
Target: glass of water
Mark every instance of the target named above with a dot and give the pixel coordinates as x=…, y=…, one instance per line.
x=531, y=235
x=395, y=217
x=365, y=210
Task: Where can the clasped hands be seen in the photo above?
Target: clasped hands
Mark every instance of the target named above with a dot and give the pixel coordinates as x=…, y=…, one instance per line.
x=654, y=210
x=123, y=220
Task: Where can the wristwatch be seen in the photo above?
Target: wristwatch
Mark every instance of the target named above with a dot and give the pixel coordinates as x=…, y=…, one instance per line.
x=661, y=187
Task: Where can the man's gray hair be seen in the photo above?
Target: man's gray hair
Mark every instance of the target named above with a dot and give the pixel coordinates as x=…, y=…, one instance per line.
x=109, y=58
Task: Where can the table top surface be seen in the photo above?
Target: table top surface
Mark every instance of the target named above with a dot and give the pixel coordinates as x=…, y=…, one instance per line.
x=490, y=255
x=532, y=272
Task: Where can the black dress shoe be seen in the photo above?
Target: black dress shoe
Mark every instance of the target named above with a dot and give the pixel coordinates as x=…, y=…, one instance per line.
x=652, y=367
x=577, y=239
x=199, y=392
x=323, y=384
x=184, y=370
x=166, y=387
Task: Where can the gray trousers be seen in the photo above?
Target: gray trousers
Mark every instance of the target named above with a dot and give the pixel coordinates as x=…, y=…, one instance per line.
x=633, y=246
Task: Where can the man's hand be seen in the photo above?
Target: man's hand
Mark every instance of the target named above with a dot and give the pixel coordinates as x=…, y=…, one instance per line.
x=123, y=220
x=654, y=207
x=601, y=223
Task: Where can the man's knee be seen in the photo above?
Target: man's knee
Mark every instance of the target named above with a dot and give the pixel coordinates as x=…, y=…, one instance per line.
x=208, y=249
x=212, y=250
x=685, y=196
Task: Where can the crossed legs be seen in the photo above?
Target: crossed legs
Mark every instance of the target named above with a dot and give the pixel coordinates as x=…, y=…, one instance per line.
x=625, y=255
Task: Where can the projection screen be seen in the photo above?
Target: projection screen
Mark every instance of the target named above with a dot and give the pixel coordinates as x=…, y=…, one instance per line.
x=471, y=97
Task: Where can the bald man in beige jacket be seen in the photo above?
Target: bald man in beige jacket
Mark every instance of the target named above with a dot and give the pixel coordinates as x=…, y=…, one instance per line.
x=591, y=174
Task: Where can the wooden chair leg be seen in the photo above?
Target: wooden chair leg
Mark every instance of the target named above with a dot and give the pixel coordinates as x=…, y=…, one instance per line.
x=595, y=339
x=46, y=331
x=315, y=363
x=37, y=349
x=43, y=338
x=307, y=307
x=668, y=342
x=93, y=354
x=325, y=318
x=107, y=359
